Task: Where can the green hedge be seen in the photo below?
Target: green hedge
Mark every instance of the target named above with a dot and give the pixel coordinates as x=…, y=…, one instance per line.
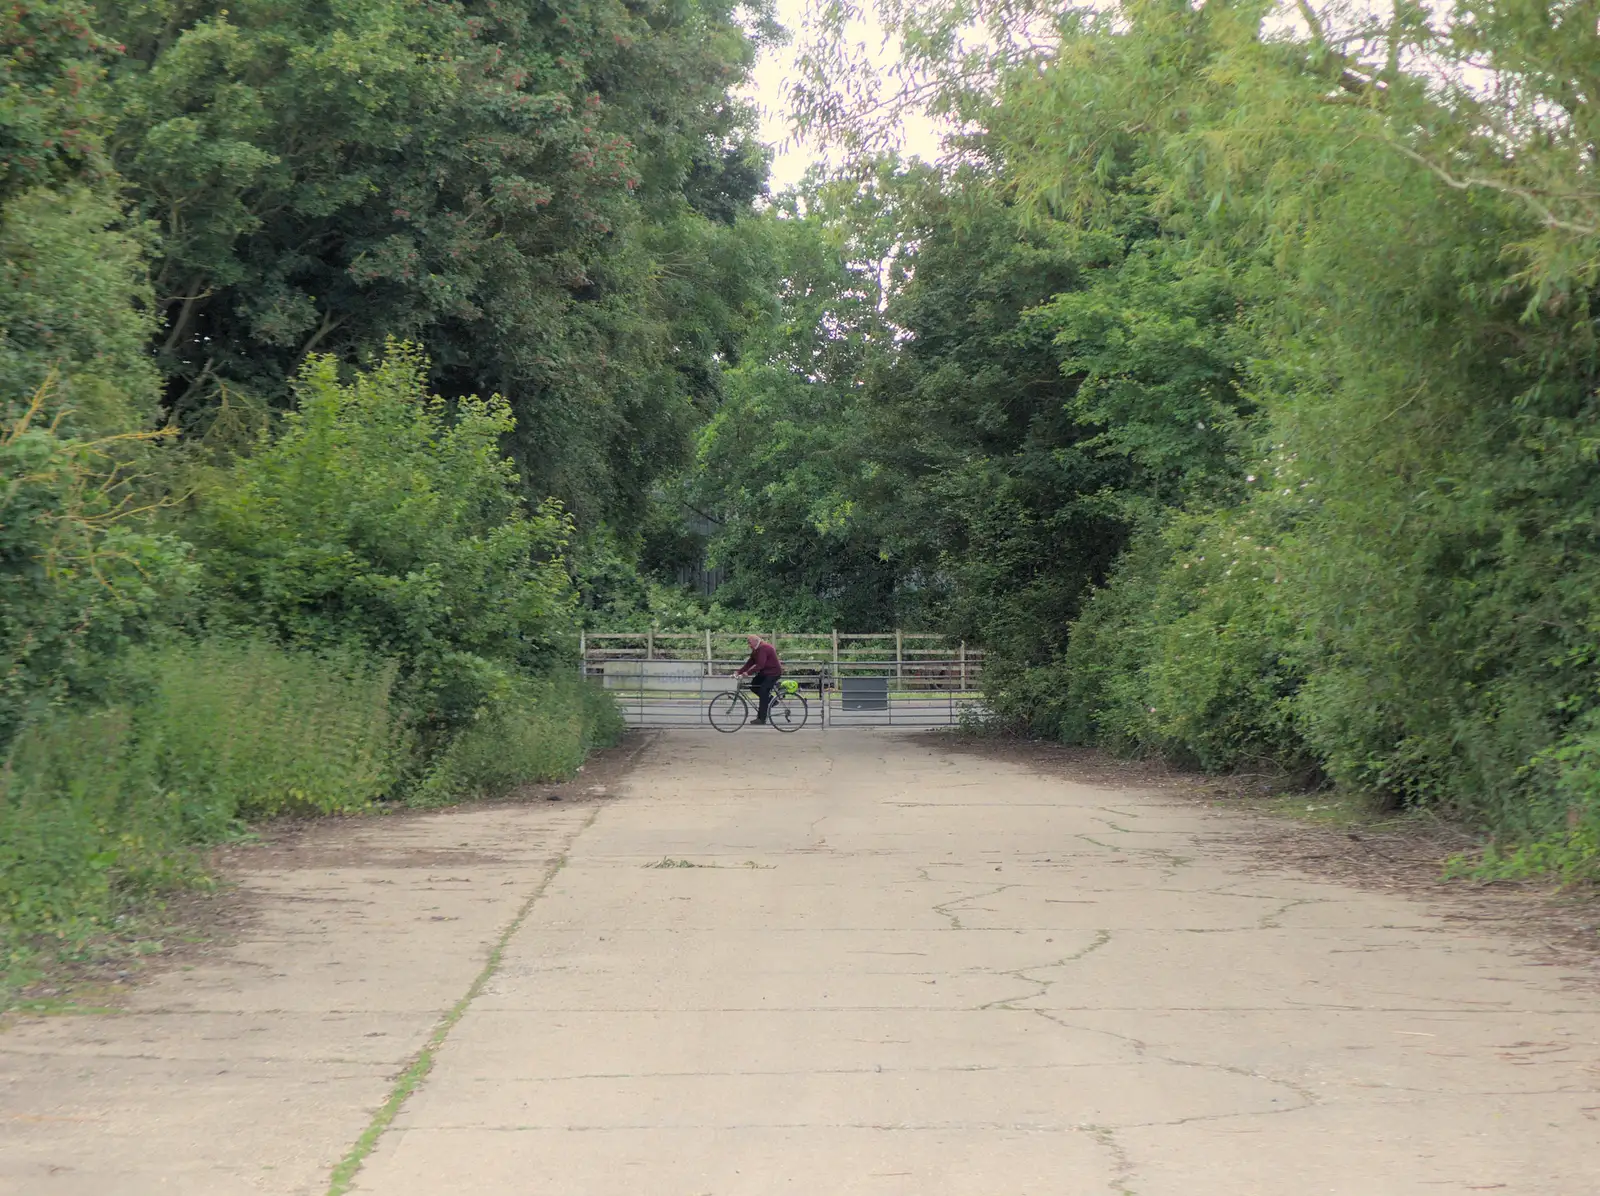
x=541, y=733
x=100, y=807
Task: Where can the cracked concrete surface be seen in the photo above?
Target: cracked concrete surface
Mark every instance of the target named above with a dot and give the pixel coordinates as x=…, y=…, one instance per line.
x=252, y=1071
x=951, y=975
x=887, y=969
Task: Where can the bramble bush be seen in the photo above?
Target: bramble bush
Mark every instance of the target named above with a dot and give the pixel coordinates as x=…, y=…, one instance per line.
x=541, y=732
x=380, y=516
x=1193, y=649
x=100, y=804
x=368, y=612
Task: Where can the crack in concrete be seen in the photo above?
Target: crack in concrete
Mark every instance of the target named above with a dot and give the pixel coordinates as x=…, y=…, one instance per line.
x=1171, y=859
x=1143, y=1050
x=944, y=911
x=819, y=842
x=1453, y=1093
x=1101, y=938
x=1121, y=830
x=1269, y=920
x=1122, y=1170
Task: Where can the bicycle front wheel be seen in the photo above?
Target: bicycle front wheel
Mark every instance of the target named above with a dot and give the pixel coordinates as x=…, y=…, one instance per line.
x=728, y=711
x=788, y=712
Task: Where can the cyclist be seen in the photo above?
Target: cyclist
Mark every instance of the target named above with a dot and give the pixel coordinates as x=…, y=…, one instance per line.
x=765, y=667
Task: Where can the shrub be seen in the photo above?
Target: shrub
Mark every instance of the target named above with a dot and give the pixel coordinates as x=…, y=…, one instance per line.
x=1556, y=827
x=1193, y=650
x=382, y=517
x=80, y=579
x=541, y=733
x=99, y=805
x=1221, y=685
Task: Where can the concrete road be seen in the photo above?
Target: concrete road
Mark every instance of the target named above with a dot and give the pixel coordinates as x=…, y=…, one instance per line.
x=861, y=965
x=250, y=1070
x=850, y=963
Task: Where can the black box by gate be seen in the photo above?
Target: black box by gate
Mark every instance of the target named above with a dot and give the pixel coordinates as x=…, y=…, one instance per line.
x=864, y=693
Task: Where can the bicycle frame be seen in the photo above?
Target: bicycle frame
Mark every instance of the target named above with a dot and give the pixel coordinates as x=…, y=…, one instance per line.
x=785, y=694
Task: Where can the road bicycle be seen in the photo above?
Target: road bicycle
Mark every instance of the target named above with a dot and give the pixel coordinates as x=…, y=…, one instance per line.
x=731, y=710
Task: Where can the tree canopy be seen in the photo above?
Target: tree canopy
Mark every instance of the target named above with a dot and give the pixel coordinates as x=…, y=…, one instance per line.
x=543, y=197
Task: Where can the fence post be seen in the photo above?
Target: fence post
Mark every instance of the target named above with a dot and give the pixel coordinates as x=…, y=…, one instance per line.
x=583, y=653
x=650, y=644
x=835, y=651
x=899, y=658
x=708, y=651
x=963, y=666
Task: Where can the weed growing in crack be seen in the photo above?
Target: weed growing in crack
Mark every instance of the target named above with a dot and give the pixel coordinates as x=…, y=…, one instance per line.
x=669, y=862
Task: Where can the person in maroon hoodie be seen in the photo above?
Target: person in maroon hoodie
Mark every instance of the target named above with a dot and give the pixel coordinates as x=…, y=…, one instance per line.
x=766, y=668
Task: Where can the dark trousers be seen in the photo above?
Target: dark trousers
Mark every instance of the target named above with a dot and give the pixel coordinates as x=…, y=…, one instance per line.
x=763, y=687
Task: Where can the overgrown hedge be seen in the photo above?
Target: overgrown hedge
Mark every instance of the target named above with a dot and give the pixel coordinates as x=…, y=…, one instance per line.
x=101, y=807
x=1391, y=583
x=363, y=609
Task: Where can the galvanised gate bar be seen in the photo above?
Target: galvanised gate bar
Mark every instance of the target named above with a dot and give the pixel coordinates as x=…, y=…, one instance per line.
x=867, y=679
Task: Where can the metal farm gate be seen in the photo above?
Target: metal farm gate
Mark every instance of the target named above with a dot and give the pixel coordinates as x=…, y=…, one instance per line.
x=883, y=679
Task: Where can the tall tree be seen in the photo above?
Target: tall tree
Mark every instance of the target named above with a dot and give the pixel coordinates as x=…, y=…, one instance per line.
x=74, y=293
x=490, y=179
x=785, y=463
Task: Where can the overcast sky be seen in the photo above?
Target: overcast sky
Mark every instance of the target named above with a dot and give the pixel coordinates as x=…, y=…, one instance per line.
x=772, y=73
x=919, y=137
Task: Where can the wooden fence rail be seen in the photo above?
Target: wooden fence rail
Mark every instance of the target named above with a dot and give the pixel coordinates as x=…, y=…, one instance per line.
x=841, y=647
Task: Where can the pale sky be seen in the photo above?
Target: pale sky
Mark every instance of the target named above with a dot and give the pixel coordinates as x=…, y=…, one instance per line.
x=920, y=136
x=773, y=71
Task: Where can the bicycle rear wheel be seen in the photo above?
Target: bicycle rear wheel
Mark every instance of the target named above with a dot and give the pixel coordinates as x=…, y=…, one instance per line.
x=788, y=712
x=728, y=711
